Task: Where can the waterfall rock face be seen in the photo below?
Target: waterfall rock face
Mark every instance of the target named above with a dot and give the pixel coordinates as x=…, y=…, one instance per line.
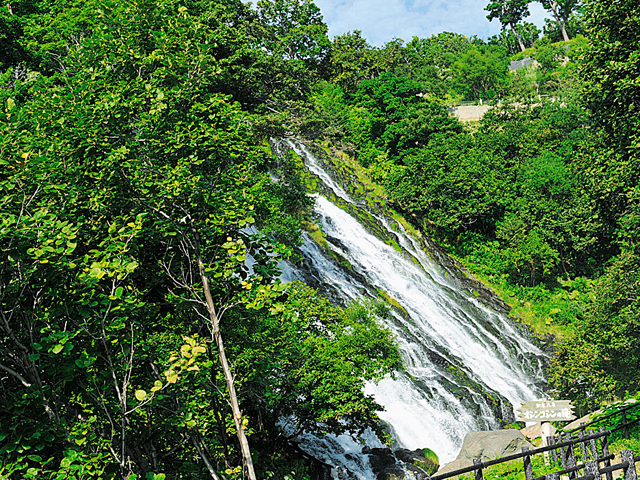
x=399, y=464
x=466, y=362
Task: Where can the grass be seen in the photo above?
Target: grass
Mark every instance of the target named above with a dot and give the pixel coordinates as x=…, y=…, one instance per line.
x=525, y=311
x=514, y=470
x=617, y=441
x=360, y=172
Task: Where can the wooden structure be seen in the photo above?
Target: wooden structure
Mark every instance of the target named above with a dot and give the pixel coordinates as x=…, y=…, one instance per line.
x=545, y=411
x=581, y=457
x=624, y=423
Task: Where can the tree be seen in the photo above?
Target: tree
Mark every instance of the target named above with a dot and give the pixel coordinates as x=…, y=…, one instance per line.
x=601, y=363
x=509, y=12
x=561, y=11
x=613, y=95
x=352, y=60
x=128, y=186
x=574, y=26
x=480, y=72
x=506, y=39
x=296, y=30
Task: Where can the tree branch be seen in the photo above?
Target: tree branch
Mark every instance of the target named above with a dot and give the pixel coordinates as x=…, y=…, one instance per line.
x=15, y=374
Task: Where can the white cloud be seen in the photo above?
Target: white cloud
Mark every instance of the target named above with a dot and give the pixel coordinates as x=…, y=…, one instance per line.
x=383, y=20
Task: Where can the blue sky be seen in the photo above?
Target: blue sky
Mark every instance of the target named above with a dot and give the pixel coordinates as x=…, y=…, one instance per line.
x=383, y=20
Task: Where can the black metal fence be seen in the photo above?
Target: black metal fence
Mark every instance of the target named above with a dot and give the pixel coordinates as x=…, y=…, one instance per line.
x=581, y=457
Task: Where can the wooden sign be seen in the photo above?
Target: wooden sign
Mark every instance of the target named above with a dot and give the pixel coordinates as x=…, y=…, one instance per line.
x=545, y=411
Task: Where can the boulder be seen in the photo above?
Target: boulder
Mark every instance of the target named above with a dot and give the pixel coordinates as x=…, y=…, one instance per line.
x=490, y=445
x=391, y=472
x=419, y=459
x=401, y=463
x=417, y=472
x=457, y=464
x=535, y=431
x=380, y=459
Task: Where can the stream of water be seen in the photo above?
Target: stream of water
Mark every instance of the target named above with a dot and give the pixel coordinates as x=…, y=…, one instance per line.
x=467, y=364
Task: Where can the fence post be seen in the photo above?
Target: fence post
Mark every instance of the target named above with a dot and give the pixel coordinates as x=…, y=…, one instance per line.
x=591, y=468
x=629, y=472
x=626, y=425
x=583, y=447
x=528, y=471
x=478, y=472
x=554, y=452
x=571, y=459
x=563, y=453
x=552, y=476
x=604, y=443
x=594, y=449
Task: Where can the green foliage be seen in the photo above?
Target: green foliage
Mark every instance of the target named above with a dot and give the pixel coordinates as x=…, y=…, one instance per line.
x=619, y=442
x=125, y=173
x=352, y=60
x=615, y=421
x=613, y=95
x=509, y=13
x=297, y=31
x=480, y=73
x=600, y=362
x=514, y=469
x=528, y=32
x=574, y=26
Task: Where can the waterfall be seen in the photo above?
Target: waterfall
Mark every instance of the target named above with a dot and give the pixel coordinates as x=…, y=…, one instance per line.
x=467, y=363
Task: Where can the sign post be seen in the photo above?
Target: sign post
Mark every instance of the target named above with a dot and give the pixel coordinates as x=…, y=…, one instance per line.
x=545, y=411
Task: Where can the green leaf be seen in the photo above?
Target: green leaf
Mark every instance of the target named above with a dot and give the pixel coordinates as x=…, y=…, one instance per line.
x=171, y=375
x=198, y=350
x=58, y=348
x=140, y=395
x=119, y=291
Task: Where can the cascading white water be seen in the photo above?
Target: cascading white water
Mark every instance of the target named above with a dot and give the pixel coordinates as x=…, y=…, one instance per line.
x=459, y=353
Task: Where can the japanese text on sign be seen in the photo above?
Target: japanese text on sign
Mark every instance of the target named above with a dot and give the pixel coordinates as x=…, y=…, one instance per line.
x=545, y=410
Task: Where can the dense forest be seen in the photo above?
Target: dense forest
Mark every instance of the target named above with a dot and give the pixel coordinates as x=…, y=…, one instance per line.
x=136, y=180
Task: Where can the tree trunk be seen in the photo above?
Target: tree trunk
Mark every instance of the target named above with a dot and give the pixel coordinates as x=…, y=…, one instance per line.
x=554, y=8
x=518, y=37
x=228, y=376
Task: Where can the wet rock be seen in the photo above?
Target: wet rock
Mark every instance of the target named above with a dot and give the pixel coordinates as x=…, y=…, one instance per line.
x=380, y=459
x=400, y=464
x=391, y=472
x=418, y=473
x=418, y=459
